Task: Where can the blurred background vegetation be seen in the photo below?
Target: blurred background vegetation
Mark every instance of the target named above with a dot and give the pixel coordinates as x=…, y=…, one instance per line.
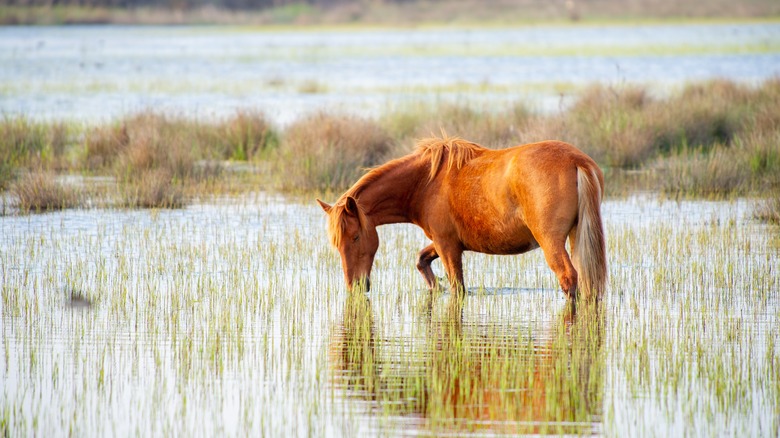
x=716, y=139
x=394, y=12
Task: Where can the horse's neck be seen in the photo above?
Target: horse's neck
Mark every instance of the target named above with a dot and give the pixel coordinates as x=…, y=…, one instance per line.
x=386, y=199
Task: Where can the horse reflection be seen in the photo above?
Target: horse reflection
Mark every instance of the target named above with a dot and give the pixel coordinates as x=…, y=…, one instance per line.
x=464, y=376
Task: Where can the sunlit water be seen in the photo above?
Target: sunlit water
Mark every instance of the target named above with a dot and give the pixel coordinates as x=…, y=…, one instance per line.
x=96, y=73
x=231, y=318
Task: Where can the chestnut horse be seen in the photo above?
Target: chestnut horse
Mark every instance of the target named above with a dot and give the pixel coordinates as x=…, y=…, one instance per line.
x=470, y=198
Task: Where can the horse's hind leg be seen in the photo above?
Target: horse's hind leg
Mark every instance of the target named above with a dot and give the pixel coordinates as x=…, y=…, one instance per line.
x=558, y=260
x=424, y=259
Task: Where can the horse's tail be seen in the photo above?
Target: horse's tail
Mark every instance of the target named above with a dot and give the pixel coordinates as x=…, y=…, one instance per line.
x=590, y=254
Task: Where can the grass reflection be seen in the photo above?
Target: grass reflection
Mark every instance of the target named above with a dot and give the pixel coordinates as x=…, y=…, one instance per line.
x=456, y=375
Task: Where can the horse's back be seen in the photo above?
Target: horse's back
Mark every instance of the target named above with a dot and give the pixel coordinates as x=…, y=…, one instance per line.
x=503, y=200
x=546, y=172
x=551, y=156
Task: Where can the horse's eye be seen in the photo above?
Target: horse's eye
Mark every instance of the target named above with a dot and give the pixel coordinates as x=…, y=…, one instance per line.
x=356, y=238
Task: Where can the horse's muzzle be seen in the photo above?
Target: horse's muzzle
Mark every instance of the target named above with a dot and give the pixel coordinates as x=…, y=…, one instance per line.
x=363, y=285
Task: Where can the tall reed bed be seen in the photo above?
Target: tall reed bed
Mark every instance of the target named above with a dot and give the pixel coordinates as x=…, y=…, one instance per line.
x=709, y=139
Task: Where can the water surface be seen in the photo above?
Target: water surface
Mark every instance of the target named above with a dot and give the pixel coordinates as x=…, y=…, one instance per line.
x=95, y=73
x=230, y=318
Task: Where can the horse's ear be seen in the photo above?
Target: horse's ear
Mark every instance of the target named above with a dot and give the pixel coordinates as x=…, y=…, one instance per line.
x=350, y=206
x=325, y=207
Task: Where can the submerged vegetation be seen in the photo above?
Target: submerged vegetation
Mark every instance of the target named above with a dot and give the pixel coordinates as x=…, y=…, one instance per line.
x=232, y=319
x=711, y=139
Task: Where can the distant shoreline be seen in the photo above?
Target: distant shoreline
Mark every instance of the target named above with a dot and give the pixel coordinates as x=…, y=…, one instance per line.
x=414, y=13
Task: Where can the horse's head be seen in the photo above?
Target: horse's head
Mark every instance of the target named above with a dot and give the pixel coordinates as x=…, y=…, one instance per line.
x=354, y=235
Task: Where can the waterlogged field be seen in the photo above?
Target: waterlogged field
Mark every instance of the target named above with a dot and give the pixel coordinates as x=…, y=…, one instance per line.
x=231, y=318
x=100, y=73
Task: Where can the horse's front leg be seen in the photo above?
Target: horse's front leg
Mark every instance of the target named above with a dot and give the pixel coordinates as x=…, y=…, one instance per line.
x=452, y=259
x=425, y=257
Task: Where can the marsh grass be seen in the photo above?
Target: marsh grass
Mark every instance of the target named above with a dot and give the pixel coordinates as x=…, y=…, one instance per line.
x=103, y=144
x=491, y=128
x=712, y=139
x=38, y=191
x=626, y=127
x=154, y=156
x=153, y=139
x=702, y=173
x=246, y=136
x=769, y=209
x=323, y=152
x=26, y=143
x=154, y=188
x=242, y=303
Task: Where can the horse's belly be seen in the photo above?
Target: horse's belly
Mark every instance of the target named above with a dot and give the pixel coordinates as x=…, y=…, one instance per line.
x=500, y=241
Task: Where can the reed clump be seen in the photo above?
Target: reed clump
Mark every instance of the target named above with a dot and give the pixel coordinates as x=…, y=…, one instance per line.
x=324, y=152
x=749, y=163
x=492, y=129
x=155, y=142
x=25, y=143
x=39, y=191
x=103, y=144
x=153, y=188
x=769, y=209
x=246, y=136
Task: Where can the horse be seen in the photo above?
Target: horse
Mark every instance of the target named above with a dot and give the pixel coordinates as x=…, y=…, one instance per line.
x=467, y=197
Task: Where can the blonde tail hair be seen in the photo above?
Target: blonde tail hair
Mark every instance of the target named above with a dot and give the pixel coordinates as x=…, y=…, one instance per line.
x=590, y=254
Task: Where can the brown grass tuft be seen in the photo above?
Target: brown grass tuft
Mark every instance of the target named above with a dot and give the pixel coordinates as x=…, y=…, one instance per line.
x=25, y=143
x=155, y=142
x=246, y=136
x=323, y=152
x=495, y=129
x=103, y=144
x=38, y=191
x=624, y=127
x=153, y=188
x=769, y=209
x=702, y=173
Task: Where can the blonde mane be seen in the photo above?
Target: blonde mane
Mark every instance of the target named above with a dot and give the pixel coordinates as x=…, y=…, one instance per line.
x=454, y=150
x=457, y=151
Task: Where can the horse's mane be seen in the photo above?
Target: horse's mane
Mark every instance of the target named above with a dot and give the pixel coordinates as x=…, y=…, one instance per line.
x=339, y=209
x=455, y=150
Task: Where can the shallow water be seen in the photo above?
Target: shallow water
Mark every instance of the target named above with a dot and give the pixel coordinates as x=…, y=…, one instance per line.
x=94, y=73
x=231, y=318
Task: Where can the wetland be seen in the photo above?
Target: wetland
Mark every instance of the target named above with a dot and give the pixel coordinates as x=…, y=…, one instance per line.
x=166, y=271
x=231, y=318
